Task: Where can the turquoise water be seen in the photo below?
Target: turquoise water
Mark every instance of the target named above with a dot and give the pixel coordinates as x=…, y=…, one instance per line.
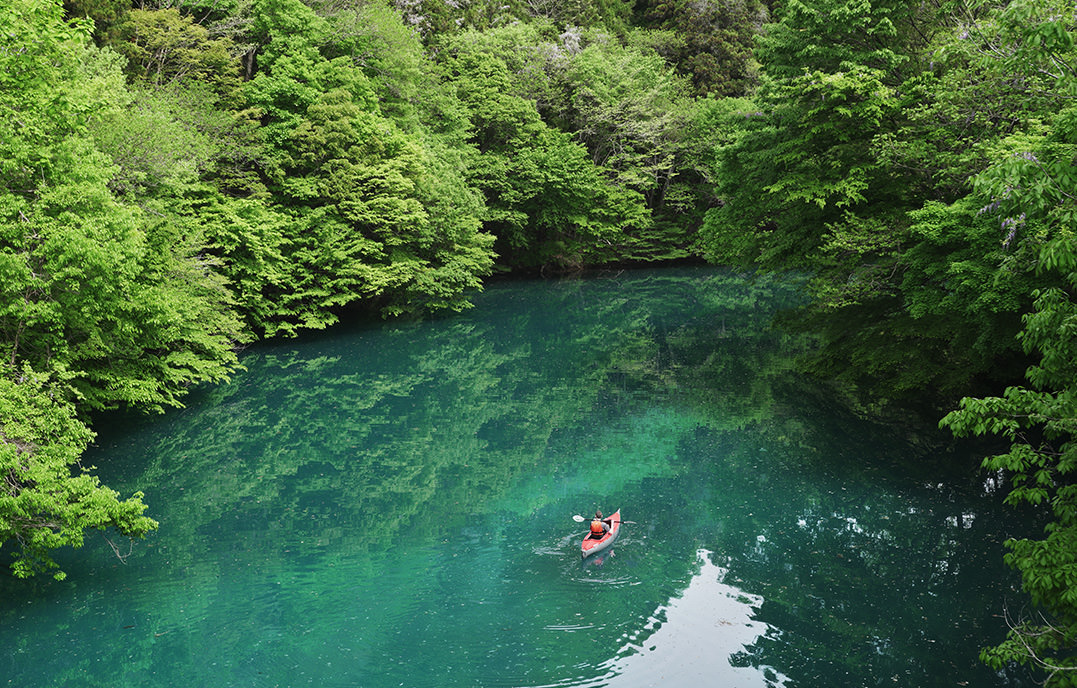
x=391, y=504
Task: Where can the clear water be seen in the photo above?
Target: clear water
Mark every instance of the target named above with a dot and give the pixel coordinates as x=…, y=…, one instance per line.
x=391, y=505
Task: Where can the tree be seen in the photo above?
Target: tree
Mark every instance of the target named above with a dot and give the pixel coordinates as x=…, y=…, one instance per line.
x=164, y=47
x=93, y=286
x=548, y=202
x=711, y=41
x=103, y=12
x=364, y=216
x=1040, y=422
x=855, y=160
x=43, y=504
x=101, y=302
x=1032, y=188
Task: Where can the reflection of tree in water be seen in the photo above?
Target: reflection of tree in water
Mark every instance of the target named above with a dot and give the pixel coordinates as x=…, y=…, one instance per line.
x=370, y=427
x=333, y=448
x=662, y=389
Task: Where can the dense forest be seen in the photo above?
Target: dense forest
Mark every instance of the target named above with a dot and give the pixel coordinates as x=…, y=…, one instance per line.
x=180, y=178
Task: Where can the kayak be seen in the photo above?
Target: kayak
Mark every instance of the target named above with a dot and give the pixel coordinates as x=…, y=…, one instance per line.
x=592, y=546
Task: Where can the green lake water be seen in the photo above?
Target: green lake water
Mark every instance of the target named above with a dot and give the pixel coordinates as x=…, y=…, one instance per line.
x=391, y=504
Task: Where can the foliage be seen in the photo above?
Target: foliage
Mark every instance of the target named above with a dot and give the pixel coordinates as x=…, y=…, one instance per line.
x=104, y=13
x=1039, y=422
x=108, y=303
x=637, y=117
x=633, y=114
x=1032, y=188
x=161, y=140
x=354, y=187
x=379, y=44
x=163, y=47
x=43, y=505
x=801, y=157
x=435, y=19
x=711, y=42
x=630, y=111
x=855, y=160
x=547, y=201
x=439, y=21
x=91, y=284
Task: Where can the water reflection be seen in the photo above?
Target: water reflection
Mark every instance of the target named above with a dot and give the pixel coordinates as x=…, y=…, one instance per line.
x=694, y=639
x=392, y=506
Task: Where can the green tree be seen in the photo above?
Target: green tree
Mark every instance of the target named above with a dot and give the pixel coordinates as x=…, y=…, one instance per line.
x=1032, y=188
x=637, y=117
x=104, y=13
x=365, y=213
x=711, y=42
x=94, y=286
x=800, y=155
x=1040, y=422
x=800, y=186
x=47, y=498
x=102, y=302
x=855, y=160
x=547, y=202
x=436, y=19
x=164, y=47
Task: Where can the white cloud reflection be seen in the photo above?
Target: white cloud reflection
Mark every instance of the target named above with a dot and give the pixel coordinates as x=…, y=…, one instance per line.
x=690, y=640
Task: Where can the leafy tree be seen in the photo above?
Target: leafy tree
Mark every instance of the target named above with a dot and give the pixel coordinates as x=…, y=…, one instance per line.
x=608, y=15
x=373, y=37
x=796, y=165
x=1032, y=187
x=637, y=117
x=801, y=156
x=710, y=41
x=191, y=166
x=548, y=203
x=633, y=114
x=43, y=504
x=163, y=47
x=104, y=13
x=101, y=302
x=92, y=285
x=630, y=111
x=160, y=140
x=1039, y=422
x=437, y=20
x=354, y=188
x=800, y=188
x=854, y=160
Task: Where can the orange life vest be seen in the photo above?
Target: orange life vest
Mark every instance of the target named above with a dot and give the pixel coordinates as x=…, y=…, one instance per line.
x=596, y=527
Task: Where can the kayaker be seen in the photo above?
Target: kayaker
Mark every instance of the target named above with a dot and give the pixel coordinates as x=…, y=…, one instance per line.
x=599, y=526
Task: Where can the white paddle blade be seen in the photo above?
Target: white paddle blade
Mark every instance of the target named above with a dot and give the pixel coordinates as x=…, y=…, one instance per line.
x=578, y=519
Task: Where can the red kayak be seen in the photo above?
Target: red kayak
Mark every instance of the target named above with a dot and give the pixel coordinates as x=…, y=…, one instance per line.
x=593, y=546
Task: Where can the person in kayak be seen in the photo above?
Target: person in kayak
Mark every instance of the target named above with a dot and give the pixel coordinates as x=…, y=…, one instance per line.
x=599, y=526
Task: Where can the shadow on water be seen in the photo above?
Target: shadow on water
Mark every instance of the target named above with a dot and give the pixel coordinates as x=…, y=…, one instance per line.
x=391, y=505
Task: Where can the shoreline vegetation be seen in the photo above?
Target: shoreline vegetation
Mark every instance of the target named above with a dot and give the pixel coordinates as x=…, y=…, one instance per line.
x=180, y=179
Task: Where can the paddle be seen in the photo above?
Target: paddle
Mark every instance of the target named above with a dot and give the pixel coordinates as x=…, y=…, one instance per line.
x=580, y=519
